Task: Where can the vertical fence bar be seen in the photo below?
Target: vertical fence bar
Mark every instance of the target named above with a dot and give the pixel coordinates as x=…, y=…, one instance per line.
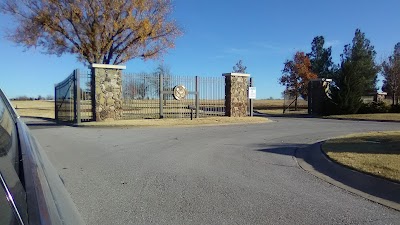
x=161, y=94
x=197, y=102
x=55, y=103
x=78, y=92
x=75, y=93
x=251, y=100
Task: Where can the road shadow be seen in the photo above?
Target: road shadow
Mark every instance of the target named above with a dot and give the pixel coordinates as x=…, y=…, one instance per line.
x=280, y=149
x=36, y=122
x=312, y=159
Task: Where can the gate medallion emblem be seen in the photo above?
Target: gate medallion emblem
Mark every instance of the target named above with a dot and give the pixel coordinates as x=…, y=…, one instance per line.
x=180, y=92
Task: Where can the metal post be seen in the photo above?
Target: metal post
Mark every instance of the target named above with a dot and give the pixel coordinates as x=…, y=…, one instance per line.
x=93, y=92
x=75, y=93
x=309, y=98
x=251, y=100
x=161, y=93
x=197, y=102
x=55, y=103
x=77, y=97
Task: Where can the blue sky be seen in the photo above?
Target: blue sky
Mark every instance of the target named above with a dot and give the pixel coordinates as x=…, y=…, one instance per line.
x=218, y=33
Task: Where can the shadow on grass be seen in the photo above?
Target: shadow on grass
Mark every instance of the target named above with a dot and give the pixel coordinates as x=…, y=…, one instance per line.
x=371, y=147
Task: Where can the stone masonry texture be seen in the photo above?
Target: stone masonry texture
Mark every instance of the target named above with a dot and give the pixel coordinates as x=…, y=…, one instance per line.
x=108, y=94
x=236, y=99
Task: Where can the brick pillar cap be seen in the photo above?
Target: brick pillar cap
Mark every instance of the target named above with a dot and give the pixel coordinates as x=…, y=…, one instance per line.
x=236, y=74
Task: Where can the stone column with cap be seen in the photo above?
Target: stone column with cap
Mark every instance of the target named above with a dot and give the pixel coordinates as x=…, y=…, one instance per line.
x=236, y=94
x=107, y=92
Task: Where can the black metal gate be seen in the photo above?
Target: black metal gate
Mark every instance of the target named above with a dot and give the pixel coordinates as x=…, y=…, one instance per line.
x=73, y=98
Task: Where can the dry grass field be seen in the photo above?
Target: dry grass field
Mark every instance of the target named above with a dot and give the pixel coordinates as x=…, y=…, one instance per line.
x=376, y=153
x=45, y=109
x=39, y=108
x=264, y=104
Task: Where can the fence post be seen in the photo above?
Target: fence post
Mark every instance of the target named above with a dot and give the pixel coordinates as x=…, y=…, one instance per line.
x=77, y=98
x=197, y=102
x=75, y=93
x=161, y=94
x=55, y=103
x=107, y=91
x=251, y=100
x=236, y=94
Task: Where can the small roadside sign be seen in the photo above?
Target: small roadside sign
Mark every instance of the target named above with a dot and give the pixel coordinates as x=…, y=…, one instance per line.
x=252, y=93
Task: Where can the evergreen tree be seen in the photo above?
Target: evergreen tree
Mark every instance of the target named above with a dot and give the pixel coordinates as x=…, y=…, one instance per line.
x=321, y=59
x=357, y=75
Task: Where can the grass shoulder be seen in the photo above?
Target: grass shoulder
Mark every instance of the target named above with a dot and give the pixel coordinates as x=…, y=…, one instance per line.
x=376, y=153
x=373, y=117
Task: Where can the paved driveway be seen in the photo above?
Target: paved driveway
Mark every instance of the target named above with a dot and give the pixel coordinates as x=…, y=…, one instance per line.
x=241, y=174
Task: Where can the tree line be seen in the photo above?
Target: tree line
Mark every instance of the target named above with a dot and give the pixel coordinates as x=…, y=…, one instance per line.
x=26, y=98
x=355, y=76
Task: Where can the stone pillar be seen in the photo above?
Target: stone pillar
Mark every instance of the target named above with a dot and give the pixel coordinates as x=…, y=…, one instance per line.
x=236, y=96
x=107, y=90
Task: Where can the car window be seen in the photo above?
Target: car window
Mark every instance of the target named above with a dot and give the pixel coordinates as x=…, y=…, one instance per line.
x=8, y=213
x=10, y=163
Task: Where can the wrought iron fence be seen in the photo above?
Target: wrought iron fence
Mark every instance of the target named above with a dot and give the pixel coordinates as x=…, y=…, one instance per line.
x=65, y=95
x=73, y=98
x=212, y=96
x=86, y=112
x=152, y=96
x=145, y=96
x=291, y=103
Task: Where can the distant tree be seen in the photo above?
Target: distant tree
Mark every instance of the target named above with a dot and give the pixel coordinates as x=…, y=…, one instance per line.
x=40, y=97
x=167, y=77
x=22, y=98
x=321, y=59
x=357, y=75
x=296, y=74
x=239, y=67
x=49, y=97
x=391, y=74
x=136, y=88
x=101, y=31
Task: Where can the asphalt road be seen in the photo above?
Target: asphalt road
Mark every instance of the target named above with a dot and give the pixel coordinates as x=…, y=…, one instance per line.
x=236, y=174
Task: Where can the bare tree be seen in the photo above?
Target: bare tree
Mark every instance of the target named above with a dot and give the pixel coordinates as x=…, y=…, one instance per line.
x=239, y=67
x=391, y=74
x=97, y=31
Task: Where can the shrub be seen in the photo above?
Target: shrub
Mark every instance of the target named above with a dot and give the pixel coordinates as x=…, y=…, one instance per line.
x=395, y=109
x=374, y=107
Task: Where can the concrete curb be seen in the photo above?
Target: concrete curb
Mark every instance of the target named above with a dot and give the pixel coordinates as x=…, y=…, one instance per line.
x=350, y=119
x=384, y=192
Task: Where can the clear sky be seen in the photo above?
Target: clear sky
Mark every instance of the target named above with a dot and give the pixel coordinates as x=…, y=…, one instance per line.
x=217, y=33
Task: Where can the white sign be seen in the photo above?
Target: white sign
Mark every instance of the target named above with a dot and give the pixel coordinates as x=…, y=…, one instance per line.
x=252, y=92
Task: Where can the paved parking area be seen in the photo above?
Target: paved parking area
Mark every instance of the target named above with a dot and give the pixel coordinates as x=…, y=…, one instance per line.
x=235, y=174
